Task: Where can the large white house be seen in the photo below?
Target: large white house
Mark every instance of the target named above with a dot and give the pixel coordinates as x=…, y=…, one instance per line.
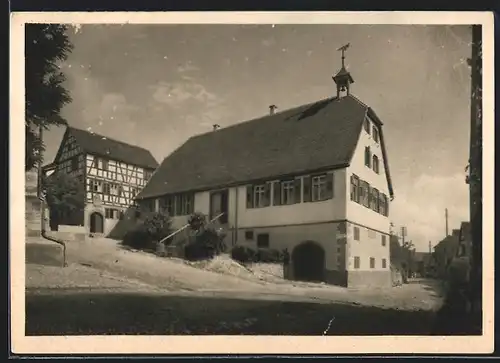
x=112, y=172
x=313, y=179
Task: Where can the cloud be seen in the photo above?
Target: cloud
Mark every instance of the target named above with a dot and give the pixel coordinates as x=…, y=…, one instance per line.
x=179, y=94
x=187, y=67
x=421, y=207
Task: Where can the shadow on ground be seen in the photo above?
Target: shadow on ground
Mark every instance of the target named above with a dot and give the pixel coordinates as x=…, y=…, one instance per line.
x=105, y=313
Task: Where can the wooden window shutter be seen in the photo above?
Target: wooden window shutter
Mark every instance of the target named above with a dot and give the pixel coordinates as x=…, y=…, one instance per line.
x=329, y=185
x=267, y=195
x=297, y=190
x=250, y=196
x=307, y=189
x=276, y=193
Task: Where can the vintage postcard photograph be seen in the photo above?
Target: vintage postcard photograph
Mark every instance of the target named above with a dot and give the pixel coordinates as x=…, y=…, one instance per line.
x=286, y=183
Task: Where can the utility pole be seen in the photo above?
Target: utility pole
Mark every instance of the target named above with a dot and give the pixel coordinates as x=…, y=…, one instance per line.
x=446, y=221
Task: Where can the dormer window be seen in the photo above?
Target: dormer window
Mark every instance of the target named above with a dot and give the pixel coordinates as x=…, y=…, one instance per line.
x=375, y=164
x=366, y=125
x=368, y=156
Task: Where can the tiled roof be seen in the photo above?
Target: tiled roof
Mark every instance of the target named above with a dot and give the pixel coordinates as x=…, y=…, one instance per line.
x=311, y=137
x=93, y=143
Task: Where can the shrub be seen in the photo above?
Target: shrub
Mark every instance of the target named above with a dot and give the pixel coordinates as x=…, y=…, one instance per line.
x=208, y=240
x=243, y=254
x=269, y=255
x=148, y=232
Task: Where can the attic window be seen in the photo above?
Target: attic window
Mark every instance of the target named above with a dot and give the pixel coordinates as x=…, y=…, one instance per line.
x=368, y=156
x=375, y=164
x=366, y=125
x=375, y=134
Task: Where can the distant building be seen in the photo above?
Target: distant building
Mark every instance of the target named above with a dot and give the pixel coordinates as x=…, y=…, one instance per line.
x=445, y=251
x=313, y=179
x=112, y=172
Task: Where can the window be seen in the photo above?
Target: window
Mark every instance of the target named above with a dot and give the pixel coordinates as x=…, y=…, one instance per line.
x=383, y=205
x=366, y=125
x=259, y=196
x=95, y=185
x=287, y=192
x=372, y=262
x=318, y=188
x=374, y=202
x=384, y=240
x=105, y=165
x=375, y=134
x=147, y=174
x=354, y=188
x=364, y=193
x=108, y=212
x=263, y=240
x=133, y=192
x=249, y=235
x=184, y=204
x=356, y=262
x=356, y=233
x=384, y=263
x=167, y=204
x=375, y=164
x=368, y=156
x=106, y=187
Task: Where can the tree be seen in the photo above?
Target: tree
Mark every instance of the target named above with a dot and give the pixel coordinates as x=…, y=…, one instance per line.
x=46, y=46
x=65, y=195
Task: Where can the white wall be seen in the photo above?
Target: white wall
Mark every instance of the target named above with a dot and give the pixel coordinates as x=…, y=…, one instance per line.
x=357, y=212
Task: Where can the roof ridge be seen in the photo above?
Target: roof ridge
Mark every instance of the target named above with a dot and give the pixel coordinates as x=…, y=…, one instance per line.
x=264, y=116
x=108, y=138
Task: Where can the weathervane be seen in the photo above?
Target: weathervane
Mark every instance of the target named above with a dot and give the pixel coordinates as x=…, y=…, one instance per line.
x=343, y=49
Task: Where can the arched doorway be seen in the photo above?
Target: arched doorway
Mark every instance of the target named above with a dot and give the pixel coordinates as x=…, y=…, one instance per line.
x=96, y=223
x=308, y=260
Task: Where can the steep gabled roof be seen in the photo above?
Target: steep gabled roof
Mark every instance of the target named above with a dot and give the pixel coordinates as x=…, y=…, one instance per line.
x=104, y=146
x=307, y=138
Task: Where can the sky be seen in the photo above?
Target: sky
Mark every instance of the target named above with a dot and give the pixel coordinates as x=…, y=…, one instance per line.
x=157, y=85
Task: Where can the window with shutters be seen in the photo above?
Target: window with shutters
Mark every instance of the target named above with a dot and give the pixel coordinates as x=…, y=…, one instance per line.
x=375, y=164
x=384, y=263
x=355, y=188
x=368, y=156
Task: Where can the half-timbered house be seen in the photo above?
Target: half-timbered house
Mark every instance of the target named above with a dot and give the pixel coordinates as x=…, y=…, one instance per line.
x=313, y=179
x=112, y=172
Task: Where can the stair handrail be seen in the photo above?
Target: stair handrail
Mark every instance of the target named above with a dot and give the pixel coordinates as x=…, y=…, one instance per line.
x=185, y=226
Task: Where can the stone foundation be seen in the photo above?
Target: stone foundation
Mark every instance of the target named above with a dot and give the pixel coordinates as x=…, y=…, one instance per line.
x=334, y=277
x=376, y=278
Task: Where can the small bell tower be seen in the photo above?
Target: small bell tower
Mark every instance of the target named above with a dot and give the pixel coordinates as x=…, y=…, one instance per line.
x=343, y=78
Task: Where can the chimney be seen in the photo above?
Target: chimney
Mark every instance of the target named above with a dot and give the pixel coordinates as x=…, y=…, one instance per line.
x=216, y=126
x=272, y=109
